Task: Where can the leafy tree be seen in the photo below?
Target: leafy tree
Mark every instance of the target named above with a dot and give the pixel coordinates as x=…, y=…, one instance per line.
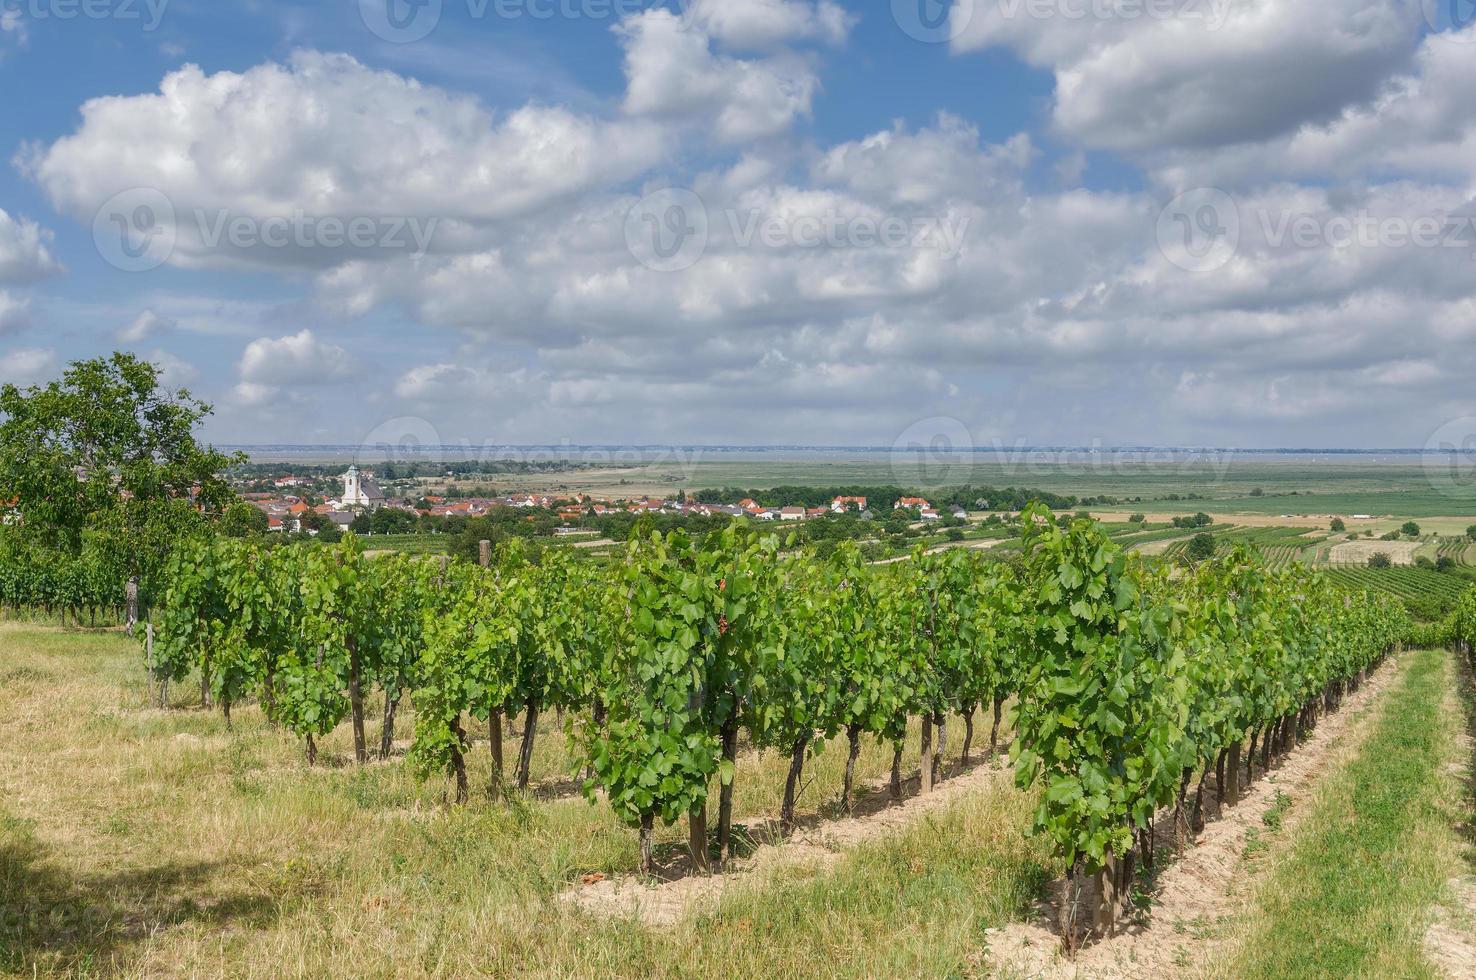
x=106, y=449
x=1445, y=564
x=1201, y=548
x=1338, y=526
x=242, y=520
x=1411, y=528
x=1138, y=519
x=1380, y=560
x=1471, y=532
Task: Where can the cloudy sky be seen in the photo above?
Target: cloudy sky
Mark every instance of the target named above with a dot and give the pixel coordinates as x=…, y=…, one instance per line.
x=1174, y=222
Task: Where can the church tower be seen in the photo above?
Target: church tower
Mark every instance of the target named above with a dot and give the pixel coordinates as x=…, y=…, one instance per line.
x=352, y=496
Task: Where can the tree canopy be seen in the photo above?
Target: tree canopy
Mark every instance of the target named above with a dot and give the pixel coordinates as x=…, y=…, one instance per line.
x=107, y=452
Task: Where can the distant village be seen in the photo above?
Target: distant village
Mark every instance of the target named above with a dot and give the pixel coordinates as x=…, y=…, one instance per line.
x=293, y=512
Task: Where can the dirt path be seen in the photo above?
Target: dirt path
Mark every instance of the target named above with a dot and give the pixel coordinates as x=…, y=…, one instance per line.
x=1200, y=890
x=1450, y=941
x=820, y=847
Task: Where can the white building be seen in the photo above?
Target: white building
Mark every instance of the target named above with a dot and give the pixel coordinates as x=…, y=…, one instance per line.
x=360, y=490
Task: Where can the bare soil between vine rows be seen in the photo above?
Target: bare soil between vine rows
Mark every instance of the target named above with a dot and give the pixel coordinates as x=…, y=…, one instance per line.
x=1198, y=891
x=816, y=846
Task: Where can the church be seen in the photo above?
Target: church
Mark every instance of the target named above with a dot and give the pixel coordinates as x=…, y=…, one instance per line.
x=360, y=490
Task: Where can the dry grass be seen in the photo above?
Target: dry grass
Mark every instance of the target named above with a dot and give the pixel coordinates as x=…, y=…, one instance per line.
x=140, y=842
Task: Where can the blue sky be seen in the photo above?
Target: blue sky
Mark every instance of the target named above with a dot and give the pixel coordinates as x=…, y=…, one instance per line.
x=1191, y=222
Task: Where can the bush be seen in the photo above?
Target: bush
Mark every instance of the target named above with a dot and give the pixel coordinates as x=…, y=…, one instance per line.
x=1445, y=564
x=1201, y=548
x=955, y=534
x=1471, y=532
x=1425, y=563
x=1338, y=526
x=1411, y=528
x=1380, y=560
x=1142, y=519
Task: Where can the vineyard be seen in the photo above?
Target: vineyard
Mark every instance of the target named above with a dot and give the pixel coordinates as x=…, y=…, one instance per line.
x=1129, y=685
x=1411, y=584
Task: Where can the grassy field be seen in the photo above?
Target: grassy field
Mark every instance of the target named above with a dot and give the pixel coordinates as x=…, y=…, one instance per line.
x=1359, y=882
x=1291, y=484
x=135, y=841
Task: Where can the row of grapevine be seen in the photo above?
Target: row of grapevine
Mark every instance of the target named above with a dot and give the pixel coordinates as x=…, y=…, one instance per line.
x=1142, y=678
x=1128, y=677
x=29, y=580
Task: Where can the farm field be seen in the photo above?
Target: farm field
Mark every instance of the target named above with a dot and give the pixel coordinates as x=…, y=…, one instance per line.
x=1296, y=484
x=191, y=848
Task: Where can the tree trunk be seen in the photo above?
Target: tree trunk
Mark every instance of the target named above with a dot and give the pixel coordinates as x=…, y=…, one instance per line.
x=387, y=727
x=1106, y=924
x=853, y=738
x=1232, y=770
x=494, y=745
x=1069, y=906
x=968, y=718
x=356, y=705
x=458, y=760
x=791, y=784
x=131, y=591
x=925, y=759
x=1220, y=779
x=1250, y=760
x=994, y=731
x=697, y=838
x=940, y=750
x=1181, y=822
x=225, y=710
x=1197, y=822
x=598, y=713
x=525, y=757
x=648, y=863
x=205, y=683
x=897, y=775
x=312, y=751
x=725, y=793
